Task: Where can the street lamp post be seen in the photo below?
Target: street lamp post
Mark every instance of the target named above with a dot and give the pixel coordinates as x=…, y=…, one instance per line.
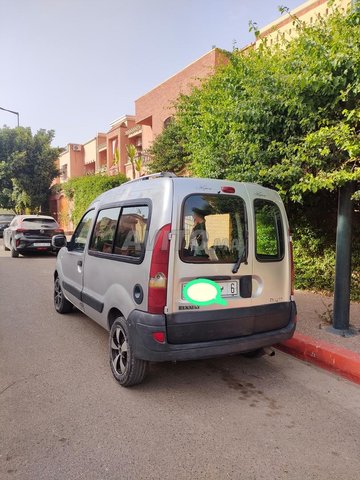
x=11, y=111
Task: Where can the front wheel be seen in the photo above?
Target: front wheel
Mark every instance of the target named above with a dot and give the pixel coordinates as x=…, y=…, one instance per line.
x=126, y=368
x=61, y=304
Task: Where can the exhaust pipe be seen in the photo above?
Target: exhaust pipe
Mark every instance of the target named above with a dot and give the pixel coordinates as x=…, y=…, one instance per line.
x=269, y=351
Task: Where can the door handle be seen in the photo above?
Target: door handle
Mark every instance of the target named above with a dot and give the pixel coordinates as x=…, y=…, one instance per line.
x=79, y=263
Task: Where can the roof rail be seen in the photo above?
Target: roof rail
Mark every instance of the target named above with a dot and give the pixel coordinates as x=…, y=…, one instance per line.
x=154, y=175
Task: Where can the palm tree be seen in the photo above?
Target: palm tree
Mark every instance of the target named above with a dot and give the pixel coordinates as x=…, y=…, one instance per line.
x=131, y=151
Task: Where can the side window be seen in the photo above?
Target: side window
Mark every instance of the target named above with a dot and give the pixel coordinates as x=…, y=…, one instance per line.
x=78, y=240
x=104, y=232
x=269, y=231
x=131, y=232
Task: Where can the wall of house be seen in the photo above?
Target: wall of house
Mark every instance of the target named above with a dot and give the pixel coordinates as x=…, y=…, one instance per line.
x=153, y=108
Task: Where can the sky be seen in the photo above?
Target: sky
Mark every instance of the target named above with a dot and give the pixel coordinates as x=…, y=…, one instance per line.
x=75, y=66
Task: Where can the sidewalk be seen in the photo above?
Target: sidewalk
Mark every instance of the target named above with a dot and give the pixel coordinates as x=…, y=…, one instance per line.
x=313, y=342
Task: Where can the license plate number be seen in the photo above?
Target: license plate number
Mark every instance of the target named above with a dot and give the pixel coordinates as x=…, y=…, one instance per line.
x=41, y=244
x=229, y=289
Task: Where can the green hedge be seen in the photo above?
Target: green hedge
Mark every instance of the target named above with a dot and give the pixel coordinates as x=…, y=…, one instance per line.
x=83, y=190
x=315, y=264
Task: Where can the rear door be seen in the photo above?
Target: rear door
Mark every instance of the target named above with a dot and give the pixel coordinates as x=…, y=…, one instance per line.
x=271, y=271
x=211, y=243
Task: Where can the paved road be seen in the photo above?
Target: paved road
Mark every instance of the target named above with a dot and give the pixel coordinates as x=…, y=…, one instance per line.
x=63, y=417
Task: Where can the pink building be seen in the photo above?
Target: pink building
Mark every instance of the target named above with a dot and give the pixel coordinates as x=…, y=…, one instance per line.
x=156, y=107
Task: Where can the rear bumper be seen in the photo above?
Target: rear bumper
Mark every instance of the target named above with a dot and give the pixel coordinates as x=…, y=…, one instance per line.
x=35, y=245
x=142, y=325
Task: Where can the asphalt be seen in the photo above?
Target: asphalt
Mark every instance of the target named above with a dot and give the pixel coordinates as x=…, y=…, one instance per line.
x=316, y=341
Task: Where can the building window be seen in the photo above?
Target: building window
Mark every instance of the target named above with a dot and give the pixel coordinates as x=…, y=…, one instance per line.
x=64, y=172
x=167, y=121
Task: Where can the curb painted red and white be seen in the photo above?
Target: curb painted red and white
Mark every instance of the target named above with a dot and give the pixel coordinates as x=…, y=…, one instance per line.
x=336, y=359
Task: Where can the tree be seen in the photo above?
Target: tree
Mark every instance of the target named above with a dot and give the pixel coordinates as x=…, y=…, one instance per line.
x=167, y=151
x=83, y=190
x=27, y=168
x=131, y=151
x=286, y=117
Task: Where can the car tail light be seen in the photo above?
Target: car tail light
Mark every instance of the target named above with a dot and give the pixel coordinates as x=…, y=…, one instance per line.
x=58, y=230
x=228, y=189
x=292, y=268
x=20, y=230
x=159, y=337
x=159, y=271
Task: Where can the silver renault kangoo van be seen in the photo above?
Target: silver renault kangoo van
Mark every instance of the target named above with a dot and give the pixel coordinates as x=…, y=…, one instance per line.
x=178, y=269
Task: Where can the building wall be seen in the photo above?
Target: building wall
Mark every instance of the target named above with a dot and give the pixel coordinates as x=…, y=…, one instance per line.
x=153, y=108
x=72, y=160
x=90, y=151
x=117, y=139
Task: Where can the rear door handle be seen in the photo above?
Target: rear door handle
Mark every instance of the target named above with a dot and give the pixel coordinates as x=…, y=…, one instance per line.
x=79, y=263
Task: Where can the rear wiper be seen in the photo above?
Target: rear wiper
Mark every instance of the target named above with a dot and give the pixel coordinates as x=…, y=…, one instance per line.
x=239, y=261
x=243, y=257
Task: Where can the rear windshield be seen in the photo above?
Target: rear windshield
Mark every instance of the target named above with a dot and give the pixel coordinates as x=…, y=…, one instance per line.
x=39, y=222
x=213, y=229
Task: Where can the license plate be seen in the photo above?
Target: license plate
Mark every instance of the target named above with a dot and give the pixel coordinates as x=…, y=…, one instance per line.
x=41, y=244
x=229, y=289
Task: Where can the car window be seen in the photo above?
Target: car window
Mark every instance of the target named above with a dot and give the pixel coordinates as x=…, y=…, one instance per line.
x=104, y=231
x=39, y=222
x=213, y=229
x=78, y=240
x=131, y=232
x=269, y=232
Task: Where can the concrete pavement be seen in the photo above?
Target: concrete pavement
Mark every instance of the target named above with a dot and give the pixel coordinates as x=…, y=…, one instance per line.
x=315, y=342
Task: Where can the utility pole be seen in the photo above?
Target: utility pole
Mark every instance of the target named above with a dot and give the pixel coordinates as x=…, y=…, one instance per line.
x=343, y=259
x=15, y=113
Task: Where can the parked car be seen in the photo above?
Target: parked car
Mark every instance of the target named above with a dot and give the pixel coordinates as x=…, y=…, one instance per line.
x=31, y=233
x=5, y=220
x=180, y=269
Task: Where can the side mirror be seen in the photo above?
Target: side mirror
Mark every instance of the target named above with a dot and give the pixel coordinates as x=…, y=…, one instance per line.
x=58, y=241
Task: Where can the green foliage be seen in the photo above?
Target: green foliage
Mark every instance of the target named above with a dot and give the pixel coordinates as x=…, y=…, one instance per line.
x=314, y=261
x=167, y=151
x=83, y=190
x=27, y=168
x=131, y=151
x=287, y=117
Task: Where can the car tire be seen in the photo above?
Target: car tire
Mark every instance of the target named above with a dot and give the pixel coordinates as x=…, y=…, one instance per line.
x=61, y=304
x=14, y=253
x=126, y=368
